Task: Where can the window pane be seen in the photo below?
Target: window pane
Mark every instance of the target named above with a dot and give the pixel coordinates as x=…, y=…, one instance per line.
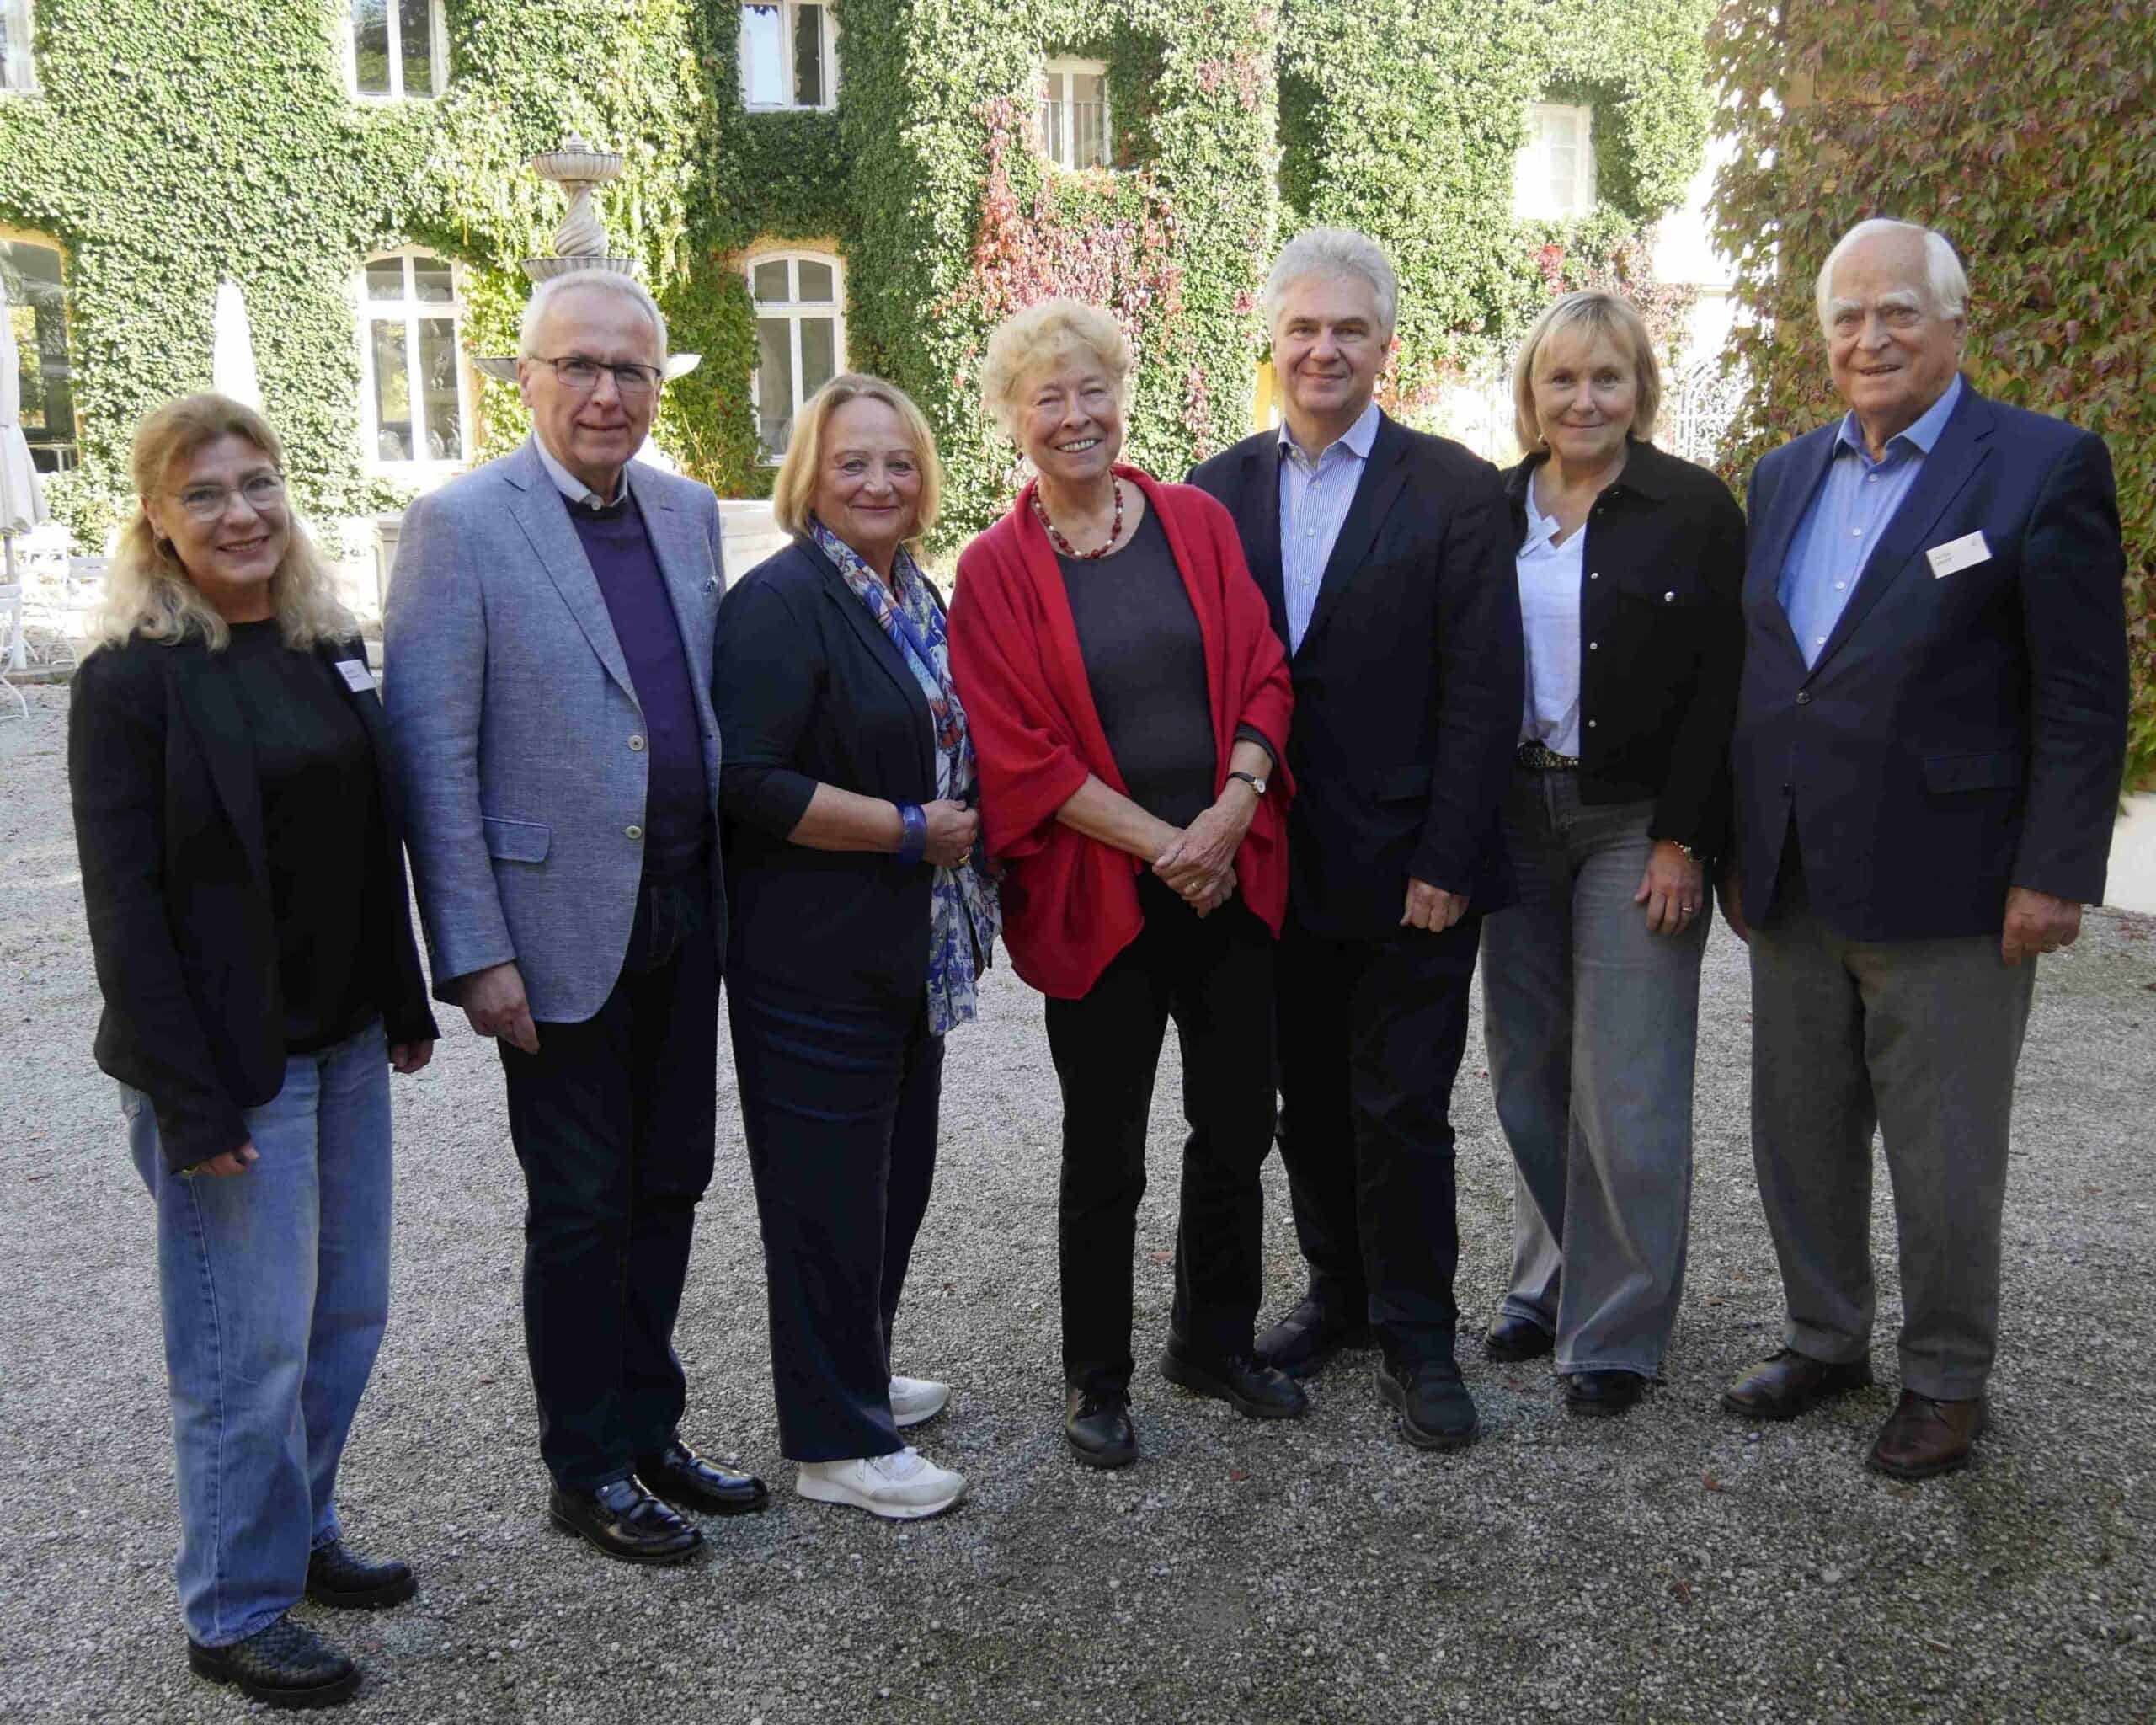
x=436, y=285
x=1052, y=117
x=393, y=393
x=820, y=354
x=817, y=288
x=774, y=383
x=370, y=46
x=417, y=44
x=768, y=284
x=15, y=45
x=444, y=434
x=385, y=279
x=37, y=313
x=763, y=56
x=1088, y=120
x=808, y=56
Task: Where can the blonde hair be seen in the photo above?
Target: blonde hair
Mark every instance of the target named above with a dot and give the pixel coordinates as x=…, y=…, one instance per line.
x=793, y=493
x=1025, y=341
x=1590, y=314
x=148, y=591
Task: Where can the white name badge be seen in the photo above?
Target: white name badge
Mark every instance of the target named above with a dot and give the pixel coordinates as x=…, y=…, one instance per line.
x=1956, y=554
x=357, y=677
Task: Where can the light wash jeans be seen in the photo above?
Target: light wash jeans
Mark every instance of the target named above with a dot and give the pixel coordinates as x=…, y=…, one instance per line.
x=276, y=1289
x=1591, y=1022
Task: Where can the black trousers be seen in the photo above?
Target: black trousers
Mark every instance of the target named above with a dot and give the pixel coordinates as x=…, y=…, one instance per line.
x=840, y=1105
x=613, y=1121
x=1371, y=1036
x=1213, y=976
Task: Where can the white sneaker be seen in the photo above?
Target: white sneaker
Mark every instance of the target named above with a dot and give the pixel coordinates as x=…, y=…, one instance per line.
x=906, y=1487
x=915, y=1399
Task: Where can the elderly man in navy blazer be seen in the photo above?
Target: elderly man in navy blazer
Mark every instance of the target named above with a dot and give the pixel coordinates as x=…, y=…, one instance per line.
x=551, y=624
x=1929, y=740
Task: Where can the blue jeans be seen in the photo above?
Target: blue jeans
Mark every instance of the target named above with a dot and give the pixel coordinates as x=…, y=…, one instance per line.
x=275, y=1289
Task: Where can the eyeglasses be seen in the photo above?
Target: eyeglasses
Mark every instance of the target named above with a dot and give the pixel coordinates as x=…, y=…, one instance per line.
x=264, y=492
x=582, y=375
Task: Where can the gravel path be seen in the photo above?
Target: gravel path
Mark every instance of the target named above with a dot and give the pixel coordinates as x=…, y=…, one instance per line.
x=1674, y=1565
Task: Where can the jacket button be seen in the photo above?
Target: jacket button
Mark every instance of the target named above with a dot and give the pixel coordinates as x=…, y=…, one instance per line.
x=636, y=743
x=1594, y=646
x=1591, y=724
x=1594, y=574
x=1804, y=697
x=632, y=832
x=1670, y=598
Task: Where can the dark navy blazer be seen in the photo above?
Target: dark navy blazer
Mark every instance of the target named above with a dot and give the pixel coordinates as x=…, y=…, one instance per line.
x=1960, y=734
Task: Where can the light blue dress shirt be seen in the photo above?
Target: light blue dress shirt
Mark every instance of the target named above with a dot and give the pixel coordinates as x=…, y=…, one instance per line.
x=1314, y=500
x=1846, y=519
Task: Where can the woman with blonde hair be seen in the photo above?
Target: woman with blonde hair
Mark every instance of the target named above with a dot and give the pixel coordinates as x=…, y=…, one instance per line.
x=861, y=918
x=243, y=870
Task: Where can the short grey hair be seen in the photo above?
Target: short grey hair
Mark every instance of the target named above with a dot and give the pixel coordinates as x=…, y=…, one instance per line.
x=1331, y=251
x=1948, y=281
x=605, y=281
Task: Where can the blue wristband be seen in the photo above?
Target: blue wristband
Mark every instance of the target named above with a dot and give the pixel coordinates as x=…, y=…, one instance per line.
x=914, y=841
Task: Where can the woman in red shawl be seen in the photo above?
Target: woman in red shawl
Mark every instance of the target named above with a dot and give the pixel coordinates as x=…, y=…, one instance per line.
x=1130, y=701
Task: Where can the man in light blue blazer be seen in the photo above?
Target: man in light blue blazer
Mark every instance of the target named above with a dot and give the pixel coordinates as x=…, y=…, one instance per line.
x=550, y=624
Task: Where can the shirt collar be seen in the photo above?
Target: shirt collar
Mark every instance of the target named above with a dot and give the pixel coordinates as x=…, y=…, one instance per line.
x=1358, y=438
x=1921, y=436
x=572, y=488
x=1539, y=526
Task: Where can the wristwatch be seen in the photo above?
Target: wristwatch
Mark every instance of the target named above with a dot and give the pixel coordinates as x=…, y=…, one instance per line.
x=1253, y=780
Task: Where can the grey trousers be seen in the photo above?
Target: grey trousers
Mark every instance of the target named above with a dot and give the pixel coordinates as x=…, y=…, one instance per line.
x=1591, y=1022
x=1918, y=1039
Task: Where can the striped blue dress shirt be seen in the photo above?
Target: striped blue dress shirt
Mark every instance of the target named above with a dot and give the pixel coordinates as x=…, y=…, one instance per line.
x=1846, y=518
x=1314, y=500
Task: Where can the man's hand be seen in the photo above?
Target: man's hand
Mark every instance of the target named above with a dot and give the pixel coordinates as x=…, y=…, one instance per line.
x=407, y=1057
x=1673, y=889
x=2036, y=922
x=493, y=999
x=1194, y=863
x=1432, y=907
x=233, y=1161
x=1732, y=905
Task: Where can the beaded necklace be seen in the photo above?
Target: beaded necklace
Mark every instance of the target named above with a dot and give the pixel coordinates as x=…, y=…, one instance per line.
x=1065, y=546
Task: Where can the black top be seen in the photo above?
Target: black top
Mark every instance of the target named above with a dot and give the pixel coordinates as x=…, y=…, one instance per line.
x=1146, y=665
x=315, y=770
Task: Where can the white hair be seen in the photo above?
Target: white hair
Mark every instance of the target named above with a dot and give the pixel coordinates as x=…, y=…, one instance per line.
x=1944, y=275
x=1331, y=251
x=607, y=281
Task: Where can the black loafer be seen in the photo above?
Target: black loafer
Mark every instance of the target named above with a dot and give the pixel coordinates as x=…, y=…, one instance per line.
x=286, y=1665
x=624, y=1521
x=338, y=1578
x=1301, y=1343
x=1510, y=1338
x=1096, y=1424
x=1786, y=1383
x=1436, y=1412
x=1253, y=1391
x=1603, y=1393
x=681, y=1476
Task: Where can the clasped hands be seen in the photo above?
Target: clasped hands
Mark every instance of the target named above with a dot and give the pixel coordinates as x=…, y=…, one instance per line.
x=1199, y=862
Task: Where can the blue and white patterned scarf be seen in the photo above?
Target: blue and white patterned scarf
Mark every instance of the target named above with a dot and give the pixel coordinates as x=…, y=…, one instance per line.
x=965, y=917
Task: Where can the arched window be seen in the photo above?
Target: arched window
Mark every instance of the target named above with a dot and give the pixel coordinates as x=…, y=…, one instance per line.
x=397, y=48
x=800, y=299
x=37, y=309
x=414, y=407
x=16, y=71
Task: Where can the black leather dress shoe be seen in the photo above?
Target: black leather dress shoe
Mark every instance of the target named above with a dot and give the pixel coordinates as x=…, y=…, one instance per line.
x=1301, y=1343
x=286, y=1665
x=1603, y=1393
x=1096, y=1423
x=1510, y=1338
x=1785, y=1383
x=624, y=1521
x=681, y=1476
x=1254, y=1390
x=339, y=1576
x=1436, y=1412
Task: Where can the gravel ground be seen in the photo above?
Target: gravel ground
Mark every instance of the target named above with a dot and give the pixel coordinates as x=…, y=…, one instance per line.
x=1675, y=1565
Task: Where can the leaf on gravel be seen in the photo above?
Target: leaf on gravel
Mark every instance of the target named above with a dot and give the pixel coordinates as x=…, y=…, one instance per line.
x=1161, y=1257
x=1711, y=1483
x=1238, y=1474
x=1680, y=1591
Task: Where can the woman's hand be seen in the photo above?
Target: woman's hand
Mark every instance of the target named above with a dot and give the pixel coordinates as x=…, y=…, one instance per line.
x=952, y=827
x=1204, y=852
x=407, y=1057
x=1673, y=889
x=1223, y=890
x=233, y=1161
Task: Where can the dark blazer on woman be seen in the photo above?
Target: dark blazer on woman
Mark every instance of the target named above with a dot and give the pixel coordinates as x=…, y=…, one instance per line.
x=1662, y=641
x=176, y=879
x=808, y=688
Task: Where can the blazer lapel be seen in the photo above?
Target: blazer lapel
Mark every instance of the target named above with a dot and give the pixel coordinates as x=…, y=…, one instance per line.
x=542, y=512
x=366, y=703
x=1770, y=548
x=1384, y=476
x=1258, y=520
x=882, y=647
x=213, y=712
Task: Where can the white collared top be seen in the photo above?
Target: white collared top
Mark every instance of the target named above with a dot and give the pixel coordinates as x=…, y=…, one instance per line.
x=1549, y=612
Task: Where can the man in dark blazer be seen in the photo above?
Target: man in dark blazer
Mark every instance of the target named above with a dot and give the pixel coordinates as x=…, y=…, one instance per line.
x=1385, y=557
x=1929, y=739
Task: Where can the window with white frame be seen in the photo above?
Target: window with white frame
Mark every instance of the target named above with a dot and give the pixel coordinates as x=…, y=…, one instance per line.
x=1074, y=112
x=37, y=312
x=414, y=408
x=16, y=71
x=800, y=304
x=398, y=48
x=1553, y=179
x=789, y=54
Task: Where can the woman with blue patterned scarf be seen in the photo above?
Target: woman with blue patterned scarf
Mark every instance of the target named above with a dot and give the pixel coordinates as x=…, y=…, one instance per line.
x=861, y=915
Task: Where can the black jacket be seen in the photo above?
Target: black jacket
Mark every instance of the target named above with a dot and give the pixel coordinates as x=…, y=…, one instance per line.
x=1662, y=642
x=809, y=689
x=168, y=824
x=1407, y=684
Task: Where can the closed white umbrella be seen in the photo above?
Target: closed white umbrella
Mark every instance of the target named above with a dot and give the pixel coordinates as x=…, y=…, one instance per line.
x=22, y=504
x=232, y=356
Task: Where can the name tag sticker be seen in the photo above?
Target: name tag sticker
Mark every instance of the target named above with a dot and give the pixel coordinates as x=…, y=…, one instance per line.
x=1956, y=554
x=357, y=677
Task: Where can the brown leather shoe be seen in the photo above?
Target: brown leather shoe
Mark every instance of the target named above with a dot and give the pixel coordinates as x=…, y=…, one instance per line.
x=1785, y=1383
x=1923, y=1437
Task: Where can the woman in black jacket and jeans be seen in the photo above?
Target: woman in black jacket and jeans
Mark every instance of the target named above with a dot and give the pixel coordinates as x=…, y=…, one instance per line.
x=244, y=879
x=1630, y=564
